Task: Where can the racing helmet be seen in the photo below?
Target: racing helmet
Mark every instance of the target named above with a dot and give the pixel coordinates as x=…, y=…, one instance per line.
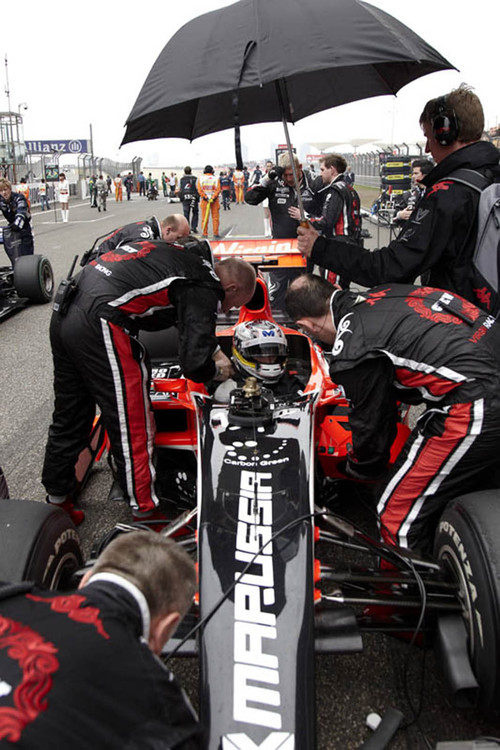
x=260, y=349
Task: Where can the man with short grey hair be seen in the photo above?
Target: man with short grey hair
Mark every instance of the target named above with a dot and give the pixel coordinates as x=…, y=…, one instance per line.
x=86, y=661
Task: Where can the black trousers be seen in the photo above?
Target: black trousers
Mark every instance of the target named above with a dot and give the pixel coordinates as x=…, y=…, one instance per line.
x=17, y=244
x=190, y=209
x=98, y=362
x=448, y=454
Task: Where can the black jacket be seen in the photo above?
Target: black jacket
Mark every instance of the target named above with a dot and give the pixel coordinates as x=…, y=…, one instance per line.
x=281, y=197
x=410, y=344
x=439, y=236
x=134, y=232
x=17, y=213
x=152, y=285
x=96, y=683
x=341, y=214
x=187, y=189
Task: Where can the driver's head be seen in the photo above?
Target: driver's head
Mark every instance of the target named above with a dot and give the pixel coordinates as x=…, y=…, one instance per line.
x=5, y=188
x=286, y=164
x=260, y=349
x=173, y=227
x=237, y=278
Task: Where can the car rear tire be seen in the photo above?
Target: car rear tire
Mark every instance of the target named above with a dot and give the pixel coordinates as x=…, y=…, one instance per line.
x=38, y=542
x=468, y=547
x=34, y=278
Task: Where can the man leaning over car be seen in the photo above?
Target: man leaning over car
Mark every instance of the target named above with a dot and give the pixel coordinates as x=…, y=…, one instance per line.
x=416, y=345
x=78, y=670
x=147, y=285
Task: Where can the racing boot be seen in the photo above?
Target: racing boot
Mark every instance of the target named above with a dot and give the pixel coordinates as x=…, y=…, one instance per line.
x=77, y=516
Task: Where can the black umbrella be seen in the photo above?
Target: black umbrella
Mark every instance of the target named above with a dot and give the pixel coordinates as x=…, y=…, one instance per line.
x=267, y=60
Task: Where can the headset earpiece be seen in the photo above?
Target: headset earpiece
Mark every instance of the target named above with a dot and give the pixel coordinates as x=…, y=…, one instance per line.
x=445, y=123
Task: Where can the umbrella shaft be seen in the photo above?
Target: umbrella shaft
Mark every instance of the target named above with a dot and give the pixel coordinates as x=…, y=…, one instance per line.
x=279, y=91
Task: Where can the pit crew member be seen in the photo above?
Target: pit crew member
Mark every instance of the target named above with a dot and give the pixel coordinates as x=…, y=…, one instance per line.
x=97, y=358
x=440, y=236
x=84, y=662
x=409, y=199
x=341, y=215
x=208, y=187
x=416, y=345
x=170, y=229
x=18, y=240
x=189, y=197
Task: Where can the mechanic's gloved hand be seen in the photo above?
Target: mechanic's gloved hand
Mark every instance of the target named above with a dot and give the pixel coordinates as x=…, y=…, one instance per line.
x=1, y=235
x=275, y=173
x=224, y=367
x=223, y=391
x=18, y=224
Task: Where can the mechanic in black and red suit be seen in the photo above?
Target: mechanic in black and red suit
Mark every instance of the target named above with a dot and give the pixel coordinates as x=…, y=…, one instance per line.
x=17, y=238
x=341, y=213
x=78, y=670
x=439, y=238
x=149, y=285
x=416, y=345
x=170, y=229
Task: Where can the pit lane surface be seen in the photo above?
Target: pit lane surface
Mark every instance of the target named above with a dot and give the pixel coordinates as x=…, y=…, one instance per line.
x=347, y=687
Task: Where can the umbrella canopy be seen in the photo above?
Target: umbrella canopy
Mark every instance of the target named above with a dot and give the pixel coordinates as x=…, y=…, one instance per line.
x=323, y=53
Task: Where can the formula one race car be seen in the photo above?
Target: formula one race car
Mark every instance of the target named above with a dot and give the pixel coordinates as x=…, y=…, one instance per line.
x=251, y=482
x=31, y=280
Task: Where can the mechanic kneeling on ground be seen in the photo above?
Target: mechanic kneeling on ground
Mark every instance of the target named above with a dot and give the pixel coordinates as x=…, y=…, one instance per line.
x=78, y=670
x=17, y=238
x=415, y=345
x=440, y=236
x=149, y=285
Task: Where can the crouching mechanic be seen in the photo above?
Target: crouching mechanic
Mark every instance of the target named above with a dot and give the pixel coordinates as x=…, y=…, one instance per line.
x=147, y=285
x=416, y=345
x=54, y=689
x=17, y=238
x=260, y=350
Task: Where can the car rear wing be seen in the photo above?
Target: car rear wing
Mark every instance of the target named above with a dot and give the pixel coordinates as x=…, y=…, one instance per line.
x=262, y=251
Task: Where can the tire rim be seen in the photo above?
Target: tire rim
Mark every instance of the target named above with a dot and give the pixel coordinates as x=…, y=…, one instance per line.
x=47, y=278
x=67, y=564
x=450, y=560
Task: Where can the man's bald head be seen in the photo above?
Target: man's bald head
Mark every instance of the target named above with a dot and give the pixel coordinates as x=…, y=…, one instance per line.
x=238, y=281
x=173, y=227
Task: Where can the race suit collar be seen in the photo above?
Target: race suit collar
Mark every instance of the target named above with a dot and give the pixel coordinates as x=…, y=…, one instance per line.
x=132, y=589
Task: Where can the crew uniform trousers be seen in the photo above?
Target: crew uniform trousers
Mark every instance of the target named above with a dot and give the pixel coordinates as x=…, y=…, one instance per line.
x=206, y=209
x=97, y=362
x=448, y=454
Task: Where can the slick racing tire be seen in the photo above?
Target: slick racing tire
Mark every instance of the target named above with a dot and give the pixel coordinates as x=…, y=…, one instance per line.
x=34, y=278
x=39, y=543
x=468, y=547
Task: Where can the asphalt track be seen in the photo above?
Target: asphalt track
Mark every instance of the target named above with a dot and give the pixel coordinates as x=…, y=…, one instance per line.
x=348, y=687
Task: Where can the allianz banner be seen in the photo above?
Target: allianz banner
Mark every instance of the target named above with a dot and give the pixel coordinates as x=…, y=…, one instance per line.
x=75, y=146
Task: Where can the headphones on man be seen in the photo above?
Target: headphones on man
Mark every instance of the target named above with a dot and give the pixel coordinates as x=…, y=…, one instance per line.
x=444, y=123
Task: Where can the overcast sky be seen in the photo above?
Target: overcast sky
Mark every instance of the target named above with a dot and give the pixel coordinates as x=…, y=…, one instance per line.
x=80, y=63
